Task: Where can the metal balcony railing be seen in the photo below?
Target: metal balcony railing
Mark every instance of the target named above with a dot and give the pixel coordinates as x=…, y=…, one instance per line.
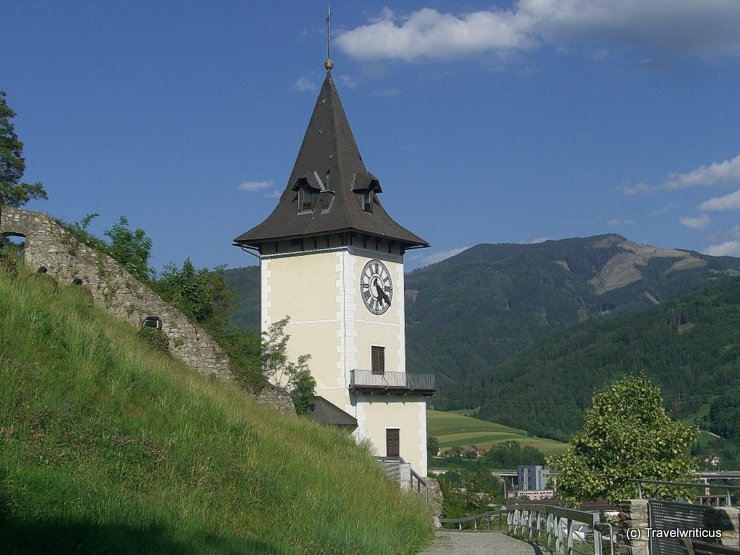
x=404, y=383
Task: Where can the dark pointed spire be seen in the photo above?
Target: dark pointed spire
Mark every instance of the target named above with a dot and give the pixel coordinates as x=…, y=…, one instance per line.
x=329, y=189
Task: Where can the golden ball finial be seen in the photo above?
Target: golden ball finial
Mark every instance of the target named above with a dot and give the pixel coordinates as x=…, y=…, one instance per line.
x=328, y=64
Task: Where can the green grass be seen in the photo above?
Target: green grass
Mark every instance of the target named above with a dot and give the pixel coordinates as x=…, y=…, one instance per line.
x=455, y=428
x=109, y=446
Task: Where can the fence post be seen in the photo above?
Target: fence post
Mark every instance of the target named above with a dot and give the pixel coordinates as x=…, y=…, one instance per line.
x=597, y=534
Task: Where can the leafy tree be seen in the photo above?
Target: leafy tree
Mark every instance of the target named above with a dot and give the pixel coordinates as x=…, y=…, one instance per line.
x=510, y=454
x=725, y=416
x=276, y=365
x=12, y=164
x=432, y=446
x=188, y=289
x=627, y=435
x=301, y=385
x=130, y=248
x=469, y=491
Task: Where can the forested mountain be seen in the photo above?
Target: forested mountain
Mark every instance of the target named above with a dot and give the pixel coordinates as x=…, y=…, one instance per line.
x=689, y=346
x=246, y=282
x=490, y=302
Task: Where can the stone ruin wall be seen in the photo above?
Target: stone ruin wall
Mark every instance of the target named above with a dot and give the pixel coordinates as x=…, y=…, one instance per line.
x=113, y=288
x=120, y=294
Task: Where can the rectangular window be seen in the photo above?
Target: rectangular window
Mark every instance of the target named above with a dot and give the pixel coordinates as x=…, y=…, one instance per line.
x=392, y=442
x=378, y=359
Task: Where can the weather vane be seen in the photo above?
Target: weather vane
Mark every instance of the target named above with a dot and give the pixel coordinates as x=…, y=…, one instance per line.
x=328, y=64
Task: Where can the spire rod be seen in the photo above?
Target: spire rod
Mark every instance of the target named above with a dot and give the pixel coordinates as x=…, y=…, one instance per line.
x=328, y=64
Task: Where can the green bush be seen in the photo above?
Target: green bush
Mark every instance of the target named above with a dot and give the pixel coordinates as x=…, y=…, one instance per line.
x=155, y=338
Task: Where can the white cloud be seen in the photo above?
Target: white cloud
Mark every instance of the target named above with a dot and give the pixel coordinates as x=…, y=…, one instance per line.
x=696, y=224
x=537, y=240
x=273, y=194
x=616, y=222
x=726, y=172
x=254, y=186
x=388, y=92
x=666, y=208
x=664, y=29
x=349, y=82
x=720, y=204
x=726, y=234
x=304, y=84
x=728, y=248
x=434, y=257
x=718, y=173
x=639, y=189
x=427, y=33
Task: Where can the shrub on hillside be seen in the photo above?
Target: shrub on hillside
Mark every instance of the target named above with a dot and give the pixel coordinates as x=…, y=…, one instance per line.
x=155, y=338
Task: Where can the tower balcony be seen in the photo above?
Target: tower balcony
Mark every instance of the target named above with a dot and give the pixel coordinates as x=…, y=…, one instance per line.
x=392, y=383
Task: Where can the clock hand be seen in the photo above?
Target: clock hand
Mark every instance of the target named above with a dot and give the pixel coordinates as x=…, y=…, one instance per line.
x=381, y=293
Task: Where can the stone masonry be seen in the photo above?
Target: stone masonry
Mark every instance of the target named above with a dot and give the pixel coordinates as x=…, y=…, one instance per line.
x=114, y=289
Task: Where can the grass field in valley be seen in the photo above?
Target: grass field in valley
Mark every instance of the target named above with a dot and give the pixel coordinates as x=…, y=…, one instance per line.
x=453, y=428
x=108, y=446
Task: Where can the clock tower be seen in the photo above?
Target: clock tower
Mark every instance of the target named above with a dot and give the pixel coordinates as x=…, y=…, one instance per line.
x=331, y=258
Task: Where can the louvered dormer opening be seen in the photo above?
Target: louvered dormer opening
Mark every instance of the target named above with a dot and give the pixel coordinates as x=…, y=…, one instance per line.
x=368, y=198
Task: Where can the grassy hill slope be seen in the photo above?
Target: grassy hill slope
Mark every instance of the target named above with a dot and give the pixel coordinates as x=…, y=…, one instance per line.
x=109, y=446
x=455, y=429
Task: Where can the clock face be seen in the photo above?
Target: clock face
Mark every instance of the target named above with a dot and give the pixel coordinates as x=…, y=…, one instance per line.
x=376, y=287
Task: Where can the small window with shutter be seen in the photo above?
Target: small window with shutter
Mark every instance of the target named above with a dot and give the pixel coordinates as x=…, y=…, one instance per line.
x=378, y=359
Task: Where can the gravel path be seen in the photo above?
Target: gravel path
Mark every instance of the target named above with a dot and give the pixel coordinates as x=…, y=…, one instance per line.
x=478, y=543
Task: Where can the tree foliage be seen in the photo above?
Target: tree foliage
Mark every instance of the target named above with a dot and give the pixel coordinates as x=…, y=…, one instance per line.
x=432, y=446
x=468, y=491
x=627, y=435
x=189, y=290
x=131, y=248
x=510, y=454
x=276, y=365
x=12, y=164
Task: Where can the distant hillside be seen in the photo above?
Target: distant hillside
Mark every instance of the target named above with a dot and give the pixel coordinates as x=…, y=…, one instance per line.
x=246, y=282
x=493, y=301
x=689, y=346
x=453, y=429
x=108, y=446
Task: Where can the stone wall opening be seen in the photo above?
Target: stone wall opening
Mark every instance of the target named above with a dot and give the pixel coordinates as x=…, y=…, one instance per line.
x=14, y=242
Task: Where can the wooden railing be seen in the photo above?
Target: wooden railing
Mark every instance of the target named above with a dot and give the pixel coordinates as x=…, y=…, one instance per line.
x=555, y=527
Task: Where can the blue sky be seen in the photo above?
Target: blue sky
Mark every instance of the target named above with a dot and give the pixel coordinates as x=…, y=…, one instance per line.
x=484, y=121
